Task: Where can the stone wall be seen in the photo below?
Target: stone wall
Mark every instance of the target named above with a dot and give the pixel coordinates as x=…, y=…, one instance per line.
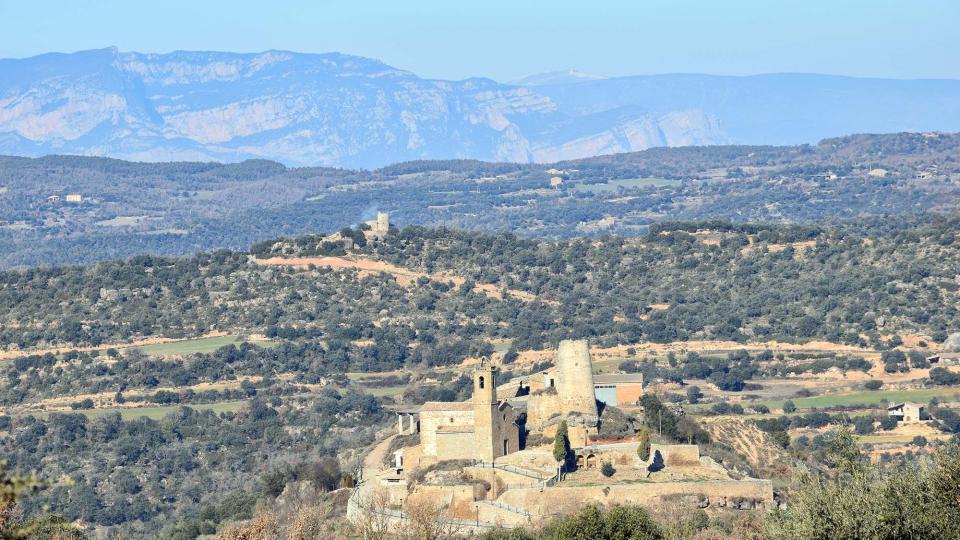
x=541, y=407
x=457, y=499
x=716, y=493
x=455, y=444
x=430, y=422
x=507, y=430
x=539, y=460
x=499, y=479
x=675, y=455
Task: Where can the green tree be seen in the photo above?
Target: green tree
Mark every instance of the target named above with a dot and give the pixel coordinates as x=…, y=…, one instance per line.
x=789, y=406
x=643, y=449
x=561, y=444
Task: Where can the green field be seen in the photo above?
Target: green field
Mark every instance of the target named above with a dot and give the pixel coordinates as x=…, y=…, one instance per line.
x=358, y=375
x=197, y=345
x=154, y=413
x=386, y=391
x=892, y=438
x=612, y=186
x=867, y=398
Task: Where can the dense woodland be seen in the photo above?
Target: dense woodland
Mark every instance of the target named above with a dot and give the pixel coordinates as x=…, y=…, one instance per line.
x=863, y=285
x=181, y=208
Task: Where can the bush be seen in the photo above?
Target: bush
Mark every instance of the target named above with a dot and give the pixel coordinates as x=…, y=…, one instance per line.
x=863, y=425
x=944, y=377
x=918, y=360
x=887, y=423
x=873, y=385
x=781, y=438
x=618, y=522
x=83, y=404
x=789, y=406
x=607, y=469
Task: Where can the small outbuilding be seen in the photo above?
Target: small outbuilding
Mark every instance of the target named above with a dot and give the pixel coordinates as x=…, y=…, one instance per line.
x=618, y=388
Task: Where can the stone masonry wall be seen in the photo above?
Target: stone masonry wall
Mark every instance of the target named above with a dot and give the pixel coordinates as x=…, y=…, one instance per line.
x=431, y=420
x=555, y=500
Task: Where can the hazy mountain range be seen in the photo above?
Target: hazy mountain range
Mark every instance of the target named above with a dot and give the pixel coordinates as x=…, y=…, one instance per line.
x=335, y=109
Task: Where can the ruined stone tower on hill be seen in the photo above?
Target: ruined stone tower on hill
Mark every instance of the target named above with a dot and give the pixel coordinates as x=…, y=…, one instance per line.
x=575, y=378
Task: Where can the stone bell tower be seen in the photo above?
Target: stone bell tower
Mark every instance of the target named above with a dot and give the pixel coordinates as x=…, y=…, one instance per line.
x=485, y=411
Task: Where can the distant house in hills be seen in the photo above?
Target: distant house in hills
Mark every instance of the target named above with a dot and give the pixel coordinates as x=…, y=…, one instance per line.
x=906, y=412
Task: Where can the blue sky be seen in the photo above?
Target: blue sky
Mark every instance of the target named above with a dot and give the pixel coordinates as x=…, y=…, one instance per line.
x=503, y=40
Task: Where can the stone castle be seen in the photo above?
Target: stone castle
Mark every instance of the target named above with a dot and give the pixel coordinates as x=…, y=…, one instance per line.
x=473, y=459
x=376, y=230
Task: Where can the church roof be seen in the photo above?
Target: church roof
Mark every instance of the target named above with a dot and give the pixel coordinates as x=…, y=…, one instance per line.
x=447, y=406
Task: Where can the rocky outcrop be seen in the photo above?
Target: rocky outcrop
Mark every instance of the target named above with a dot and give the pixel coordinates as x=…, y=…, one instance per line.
x=335, y=109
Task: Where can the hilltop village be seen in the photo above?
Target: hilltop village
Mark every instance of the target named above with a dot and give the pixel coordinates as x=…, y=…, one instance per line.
x=489, y=461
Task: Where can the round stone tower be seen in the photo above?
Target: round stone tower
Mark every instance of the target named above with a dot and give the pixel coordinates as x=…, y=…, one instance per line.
x=575, y=378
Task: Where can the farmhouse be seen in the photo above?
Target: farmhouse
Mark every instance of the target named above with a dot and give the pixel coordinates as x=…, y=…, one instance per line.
x=906, y=412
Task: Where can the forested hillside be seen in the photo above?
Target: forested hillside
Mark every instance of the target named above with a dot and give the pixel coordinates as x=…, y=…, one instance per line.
x=123, y=209
x=161, y=437
x=714, y=280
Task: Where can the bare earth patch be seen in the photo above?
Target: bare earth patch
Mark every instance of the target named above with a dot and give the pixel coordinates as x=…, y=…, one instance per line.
x=403, y=276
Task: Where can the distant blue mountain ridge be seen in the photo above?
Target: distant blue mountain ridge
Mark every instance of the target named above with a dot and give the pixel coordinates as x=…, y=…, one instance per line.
x=348, y=111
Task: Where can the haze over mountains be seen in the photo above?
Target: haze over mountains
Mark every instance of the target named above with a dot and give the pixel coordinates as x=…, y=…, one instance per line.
x=334, y=109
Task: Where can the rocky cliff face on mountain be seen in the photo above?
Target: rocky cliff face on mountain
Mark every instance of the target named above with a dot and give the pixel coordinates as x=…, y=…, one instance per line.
x=334, y=109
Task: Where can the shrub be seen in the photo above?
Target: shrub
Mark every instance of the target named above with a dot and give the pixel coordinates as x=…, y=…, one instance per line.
x=626, y=522
x=782, y=438
x=863, y=425
x=83, y=404
x=873, y=385
x=887, y=423
x=607, y=469
x=789, y=406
